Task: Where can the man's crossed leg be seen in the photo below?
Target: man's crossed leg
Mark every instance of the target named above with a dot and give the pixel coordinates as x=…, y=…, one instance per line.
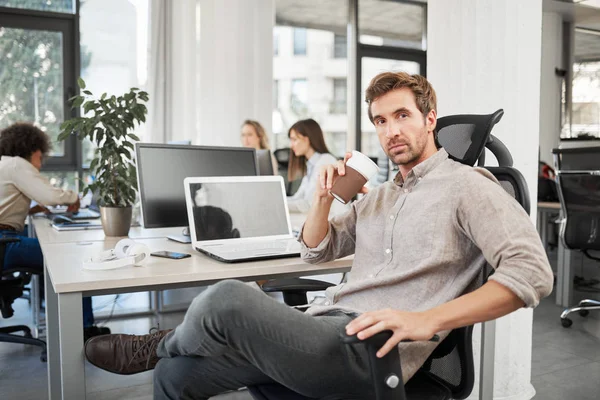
x=234, y=336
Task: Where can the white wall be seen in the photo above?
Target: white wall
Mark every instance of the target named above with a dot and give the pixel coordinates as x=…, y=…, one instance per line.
x=484, y=55
x=551, y=84
x=236, y=68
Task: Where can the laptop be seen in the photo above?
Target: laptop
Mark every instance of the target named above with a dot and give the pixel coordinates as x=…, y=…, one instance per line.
x=92, y=212
x=264, y=162
x=234, y=219
x=76, y=226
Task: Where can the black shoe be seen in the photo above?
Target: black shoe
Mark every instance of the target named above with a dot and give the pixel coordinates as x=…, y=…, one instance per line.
x=91, y=331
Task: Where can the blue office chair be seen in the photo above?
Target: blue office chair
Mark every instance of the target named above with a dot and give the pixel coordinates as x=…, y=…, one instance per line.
x=12, y=283
x=449, y=372
x=579, y=194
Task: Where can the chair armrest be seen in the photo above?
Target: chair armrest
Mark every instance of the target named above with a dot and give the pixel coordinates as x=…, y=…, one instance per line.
x=295, y=285
x=8, y=239
x=386, y=372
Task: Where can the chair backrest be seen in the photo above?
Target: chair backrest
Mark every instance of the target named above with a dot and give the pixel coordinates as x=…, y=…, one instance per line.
x=577, y=159
x=464, y=136
x=579, y=194
x=452, y=361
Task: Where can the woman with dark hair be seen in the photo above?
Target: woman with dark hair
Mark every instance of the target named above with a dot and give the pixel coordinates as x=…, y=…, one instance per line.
x=308, y=153
x=23, y=148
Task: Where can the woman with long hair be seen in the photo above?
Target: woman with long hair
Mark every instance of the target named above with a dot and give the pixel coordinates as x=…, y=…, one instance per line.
x=308, y=153
x=254, y=136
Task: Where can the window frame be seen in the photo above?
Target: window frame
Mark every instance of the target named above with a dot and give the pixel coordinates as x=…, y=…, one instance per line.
x=68, y=26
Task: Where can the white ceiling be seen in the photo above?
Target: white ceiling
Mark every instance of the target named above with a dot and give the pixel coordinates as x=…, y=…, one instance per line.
x=390, y=19
x=404, y=22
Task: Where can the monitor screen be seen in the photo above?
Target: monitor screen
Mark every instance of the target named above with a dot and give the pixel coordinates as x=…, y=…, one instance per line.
x=265, y=162
x=218, y=213
x=162, y=169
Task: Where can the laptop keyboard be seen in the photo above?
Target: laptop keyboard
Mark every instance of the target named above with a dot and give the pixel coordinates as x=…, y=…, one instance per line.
x=278, y=246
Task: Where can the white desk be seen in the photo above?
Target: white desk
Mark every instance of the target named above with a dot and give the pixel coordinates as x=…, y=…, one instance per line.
x=66, y=283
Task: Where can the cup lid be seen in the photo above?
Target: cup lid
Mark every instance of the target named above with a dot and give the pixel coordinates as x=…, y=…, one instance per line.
x=362, y=164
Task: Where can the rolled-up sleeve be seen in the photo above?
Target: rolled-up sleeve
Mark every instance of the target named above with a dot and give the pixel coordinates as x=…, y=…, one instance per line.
x=340, y=240
x=502, y=230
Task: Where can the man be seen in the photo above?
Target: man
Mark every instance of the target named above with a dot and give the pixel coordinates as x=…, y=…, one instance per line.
x=419, y=244
x=23, y=148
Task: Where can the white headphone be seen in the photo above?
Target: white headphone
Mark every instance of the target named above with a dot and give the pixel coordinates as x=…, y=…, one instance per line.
x=126, y=252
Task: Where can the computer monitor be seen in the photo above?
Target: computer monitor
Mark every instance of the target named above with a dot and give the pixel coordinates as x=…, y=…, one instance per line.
x=264, y=162
x=161, y=169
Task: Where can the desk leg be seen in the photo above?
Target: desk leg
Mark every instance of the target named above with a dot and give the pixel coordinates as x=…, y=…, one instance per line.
x=564, y=277
x=487, y=362
x=52, y=339
x=71, y=346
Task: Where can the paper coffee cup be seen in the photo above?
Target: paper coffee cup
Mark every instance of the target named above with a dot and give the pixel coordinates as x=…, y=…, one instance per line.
x=359, y=169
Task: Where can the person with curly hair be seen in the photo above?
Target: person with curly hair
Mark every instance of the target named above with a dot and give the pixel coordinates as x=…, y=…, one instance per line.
x=23, y=148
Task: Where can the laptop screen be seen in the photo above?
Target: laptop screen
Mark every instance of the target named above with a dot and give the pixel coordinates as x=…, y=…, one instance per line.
x=228, y=210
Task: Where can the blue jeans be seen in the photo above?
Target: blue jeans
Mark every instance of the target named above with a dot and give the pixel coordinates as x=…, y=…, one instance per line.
x=28, y=253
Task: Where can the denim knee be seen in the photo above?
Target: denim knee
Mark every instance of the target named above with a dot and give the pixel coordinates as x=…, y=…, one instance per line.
x=169, y=377
x=223, y=297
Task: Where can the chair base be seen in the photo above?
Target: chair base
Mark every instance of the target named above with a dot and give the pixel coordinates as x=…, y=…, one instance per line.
x=6, y=336
x=583, y=308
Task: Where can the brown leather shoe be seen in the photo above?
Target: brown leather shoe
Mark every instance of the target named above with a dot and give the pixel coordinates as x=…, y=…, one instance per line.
x=124, y=354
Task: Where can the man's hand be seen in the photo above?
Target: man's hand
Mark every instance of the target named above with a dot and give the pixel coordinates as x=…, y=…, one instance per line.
x=405, y=325
x=74, y=207
x=38, y=208
x=329, y=174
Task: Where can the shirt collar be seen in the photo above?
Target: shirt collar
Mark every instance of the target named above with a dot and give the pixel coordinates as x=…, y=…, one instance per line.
x=422, y=169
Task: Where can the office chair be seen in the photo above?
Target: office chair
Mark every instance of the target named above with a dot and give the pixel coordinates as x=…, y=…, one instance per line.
x=449, y=372
x=579, y=194
x=11, y=288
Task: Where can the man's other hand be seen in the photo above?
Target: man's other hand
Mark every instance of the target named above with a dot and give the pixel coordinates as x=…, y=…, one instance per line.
x=404, y=325
x=74, y=207
x=38, y=208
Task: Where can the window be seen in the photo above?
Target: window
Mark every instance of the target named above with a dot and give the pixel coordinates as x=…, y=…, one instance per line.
x=299, y=41
x=114, y=50
x=275, y=94
x=60, y=6
x=340, y=46
x=585, y=109
x=299, y=98
x=338, y=104
x=275, y=43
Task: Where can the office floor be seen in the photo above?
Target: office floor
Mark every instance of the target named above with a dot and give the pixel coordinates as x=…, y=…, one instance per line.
x=566, y=362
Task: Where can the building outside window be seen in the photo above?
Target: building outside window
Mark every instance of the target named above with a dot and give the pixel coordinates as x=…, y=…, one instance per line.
x=340, y=93
x=300, y=41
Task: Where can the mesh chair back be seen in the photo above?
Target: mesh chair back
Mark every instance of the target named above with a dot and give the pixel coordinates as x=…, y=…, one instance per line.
x=579, y=194
x=578, y=159
x=464, y=136
x=282, y=156
x=451, y=363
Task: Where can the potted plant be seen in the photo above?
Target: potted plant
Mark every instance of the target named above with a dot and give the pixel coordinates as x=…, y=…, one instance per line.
x=107, y=122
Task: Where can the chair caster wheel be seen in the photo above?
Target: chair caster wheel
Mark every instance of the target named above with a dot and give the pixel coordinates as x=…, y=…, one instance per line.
x=44, y=357
x=566, y=322
x=584, y=313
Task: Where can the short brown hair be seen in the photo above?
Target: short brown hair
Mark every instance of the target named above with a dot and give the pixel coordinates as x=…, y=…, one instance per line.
x=311, y=129
x=387, y=81
x=22, y=140
x=260, y=132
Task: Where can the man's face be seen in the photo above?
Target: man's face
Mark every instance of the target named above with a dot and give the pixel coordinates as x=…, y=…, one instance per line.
x=405, y=134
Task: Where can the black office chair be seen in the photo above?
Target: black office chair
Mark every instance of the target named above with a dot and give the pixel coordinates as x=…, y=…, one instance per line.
x=449, y=372
x=12, y=283
x=579, y=194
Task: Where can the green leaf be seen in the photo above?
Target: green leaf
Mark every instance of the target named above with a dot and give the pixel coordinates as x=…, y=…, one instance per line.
x=81, y=83
x=77, y=102
x=134, y=137
x=88, y=92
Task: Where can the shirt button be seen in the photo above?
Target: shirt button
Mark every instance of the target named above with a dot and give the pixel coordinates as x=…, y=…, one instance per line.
x=391, y=217
x=388, y=251
x=419, y=178
x=405, y=190
x=371, y=276
x=327, y=303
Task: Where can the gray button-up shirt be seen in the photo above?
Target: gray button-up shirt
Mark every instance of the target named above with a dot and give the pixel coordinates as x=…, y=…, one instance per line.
x=423, y=241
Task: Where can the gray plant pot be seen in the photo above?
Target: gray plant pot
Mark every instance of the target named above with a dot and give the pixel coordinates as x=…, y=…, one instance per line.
x=116, y=221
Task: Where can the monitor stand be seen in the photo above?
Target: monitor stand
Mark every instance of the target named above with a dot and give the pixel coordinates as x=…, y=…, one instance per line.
x=183, y=238
x=180, y=238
